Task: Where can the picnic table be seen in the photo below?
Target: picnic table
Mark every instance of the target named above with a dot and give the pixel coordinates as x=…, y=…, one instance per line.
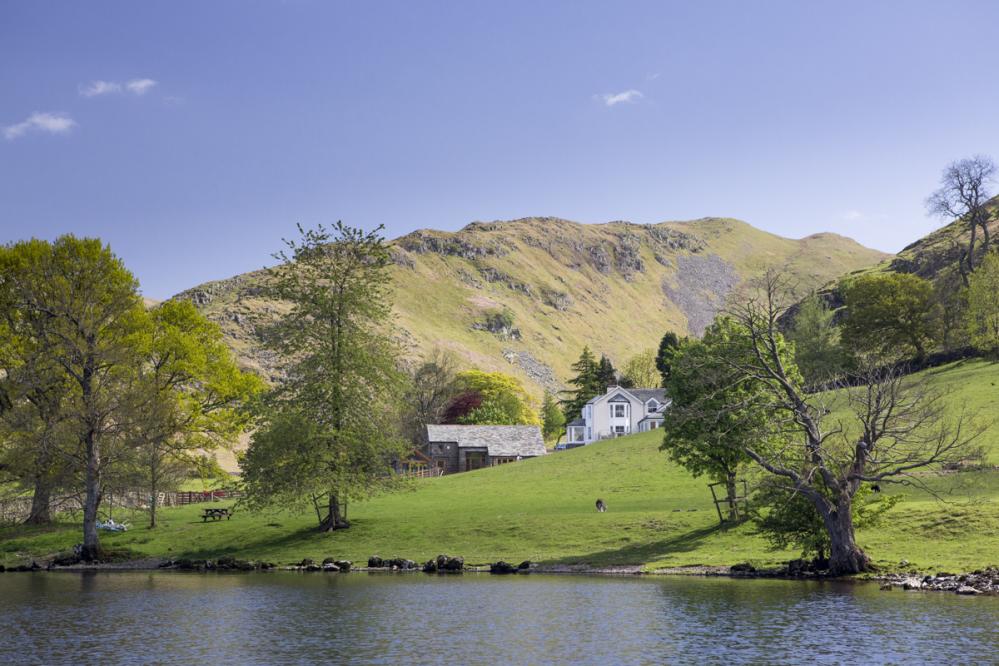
x=215, y=514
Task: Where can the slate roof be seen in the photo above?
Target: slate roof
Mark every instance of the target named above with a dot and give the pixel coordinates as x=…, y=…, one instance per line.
x=643, y=394
x=498, y=440
x=576, y=422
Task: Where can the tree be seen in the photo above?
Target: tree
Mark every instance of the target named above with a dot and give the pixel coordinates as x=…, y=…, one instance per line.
x=195, y=396
x=606, y=373
x=329, y=430
x=951, y=304
x=887, y=312
x=817, y=350
x=894, y=425
x=552, y=418
x=669, y=343
x=983, y=306
x=788, y=519
x=716, y=412
x=432, y=387
x=81, y=308
x=33, y=428
x=641, y=372
x=492, y=398
x=587, y=385
x=963, y=195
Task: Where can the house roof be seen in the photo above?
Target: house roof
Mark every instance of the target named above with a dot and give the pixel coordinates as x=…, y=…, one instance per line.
x=498, y=440
x=576, y=422
x=643, y=395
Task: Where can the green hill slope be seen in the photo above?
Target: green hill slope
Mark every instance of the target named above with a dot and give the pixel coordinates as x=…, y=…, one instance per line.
x=616, y=287
x=543, y=510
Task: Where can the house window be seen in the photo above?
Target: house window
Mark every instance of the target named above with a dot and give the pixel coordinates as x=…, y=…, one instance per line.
x=617, y=410
x=651, y=407
x=618, y=430
x=653, y=425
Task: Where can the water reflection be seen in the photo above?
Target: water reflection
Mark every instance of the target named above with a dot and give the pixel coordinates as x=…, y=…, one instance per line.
x=161, y=617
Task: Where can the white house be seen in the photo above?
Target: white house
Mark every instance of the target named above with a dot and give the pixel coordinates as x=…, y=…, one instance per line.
x=618, y=412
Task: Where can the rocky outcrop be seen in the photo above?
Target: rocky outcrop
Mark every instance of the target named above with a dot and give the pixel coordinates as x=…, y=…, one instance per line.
x=557, y=299
x=627, y=256
x=454, y=245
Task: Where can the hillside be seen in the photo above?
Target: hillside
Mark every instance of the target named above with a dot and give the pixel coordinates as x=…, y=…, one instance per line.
x=542, y=509
x=933, y=257
x=616, y=287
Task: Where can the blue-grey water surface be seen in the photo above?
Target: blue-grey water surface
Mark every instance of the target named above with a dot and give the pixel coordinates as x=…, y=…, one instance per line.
x=290, y=618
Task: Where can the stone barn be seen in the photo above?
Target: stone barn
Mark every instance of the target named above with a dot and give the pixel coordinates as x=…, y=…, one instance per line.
x=462, y=448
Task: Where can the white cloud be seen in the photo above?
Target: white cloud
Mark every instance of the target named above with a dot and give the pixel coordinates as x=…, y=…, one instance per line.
x=629, y=96
x=95, y=88
x=134, y=86
x=53, y=123
x=140, y=86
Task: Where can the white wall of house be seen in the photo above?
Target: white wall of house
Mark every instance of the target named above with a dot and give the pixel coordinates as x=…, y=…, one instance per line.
x=614, y=414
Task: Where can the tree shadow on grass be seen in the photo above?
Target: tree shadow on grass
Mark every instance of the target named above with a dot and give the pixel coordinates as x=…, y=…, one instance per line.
x=641, y=553
x=301, y=539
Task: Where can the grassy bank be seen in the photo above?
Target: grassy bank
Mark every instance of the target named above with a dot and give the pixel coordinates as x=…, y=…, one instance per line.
x=543, y=510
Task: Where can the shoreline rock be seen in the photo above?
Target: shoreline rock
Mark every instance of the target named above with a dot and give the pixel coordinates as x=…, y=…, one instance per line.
x=980, y=581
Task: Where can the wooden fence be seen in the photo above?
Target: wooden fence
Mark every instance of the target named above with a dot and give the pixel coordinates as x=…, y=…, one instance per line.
x=17, y=509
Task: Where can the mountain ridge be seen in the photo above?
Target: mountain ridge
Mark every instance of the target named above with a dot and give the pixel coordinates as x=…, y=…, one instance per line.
x=614, y=286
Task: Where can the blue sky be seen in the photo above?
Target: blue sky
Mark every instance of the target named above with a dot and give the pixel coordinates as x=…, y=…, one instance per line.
x=193, y=136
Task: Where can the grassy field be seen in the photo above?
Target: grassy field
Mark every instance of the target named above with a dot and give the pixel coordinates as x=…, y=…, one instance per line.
x=542, y=510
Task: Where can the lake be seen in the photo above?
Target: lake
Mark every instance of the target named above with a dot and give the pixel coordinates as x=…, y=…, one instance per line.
x=357, y=618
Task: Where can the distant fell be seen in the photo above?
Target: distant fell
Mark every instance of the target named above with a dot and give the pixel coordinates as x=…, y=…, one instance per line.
x=616, y=287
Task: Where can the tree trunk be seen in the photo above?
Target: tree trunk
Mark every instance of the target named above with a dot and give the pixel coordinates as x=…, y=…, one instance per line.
x=152, y=507
x=845, y=556
x=41, y=501
x=92, y=500
x=333, y=520
x=733, y=509
x=971, y=247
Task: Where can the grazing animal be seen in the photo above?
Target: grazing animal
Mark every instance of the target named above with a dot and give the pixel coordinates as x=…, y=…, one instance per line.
x=876, y=488
x=601, y=507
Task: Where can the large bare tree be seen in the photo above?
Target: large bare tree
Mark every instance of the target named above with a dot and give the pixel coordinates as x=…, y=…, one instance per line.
x=882, y=427
x=963, y=195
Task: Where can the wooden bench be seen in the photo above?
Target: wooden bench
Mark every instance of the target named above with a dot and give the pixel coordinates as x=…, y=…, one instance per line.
x=215, y=514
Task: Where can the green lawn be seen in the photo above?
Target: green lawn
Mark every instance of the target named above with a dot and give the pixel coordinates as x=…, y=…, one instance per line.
x=542, y=510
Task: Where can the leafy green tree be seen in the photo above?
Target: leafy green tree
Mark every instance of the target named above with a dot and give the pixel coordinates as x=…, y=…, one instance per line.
x=502, y=399
x=641, y=372
x=817, y=349
x=887, y=312
x=195, y=395
x=586, y=382
x=81, y=307
x=716, y=412
x=330, y=429
x=669, y=343
x=552, y=418
x=983, y=306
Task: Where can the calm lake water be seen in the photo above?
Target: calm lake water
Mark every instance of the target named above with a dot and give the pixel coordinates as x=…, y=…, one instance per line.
x=290, y=618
